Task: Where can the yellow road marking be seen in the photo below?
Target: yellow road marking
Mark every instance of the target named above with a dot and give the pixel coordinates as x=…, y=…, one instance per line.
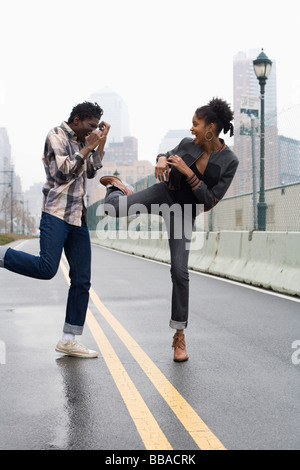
x=148, y=428
x=196, y=427
x=192, y=422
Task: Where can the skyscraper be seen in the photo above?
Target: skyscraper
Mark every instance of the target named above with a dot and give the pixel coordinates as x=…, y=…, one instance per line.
x=5, y=166
x=289, y=162
x=172, y=138
x=5, y=150
x=115, y=113
x=121, y=149
x=6, y=179
x=246, y=84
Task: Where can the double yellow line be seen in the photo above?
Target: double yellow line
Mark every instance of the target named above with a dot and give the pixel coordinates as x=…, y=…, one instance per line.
x=147, y=426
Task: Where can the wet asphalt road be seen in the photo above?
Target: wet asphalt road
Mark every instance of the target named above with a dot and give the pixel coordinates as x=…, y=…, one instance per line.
x=240, y=379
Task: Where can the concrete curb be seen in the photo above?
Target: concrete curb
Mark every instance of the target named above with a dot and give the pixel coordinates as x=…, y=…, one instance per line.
x=267, y=259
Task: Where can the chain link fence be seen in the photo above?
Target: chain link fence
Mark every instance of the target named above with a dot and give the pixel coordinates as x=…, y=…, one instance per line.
x=235, y=213
x=282, y=183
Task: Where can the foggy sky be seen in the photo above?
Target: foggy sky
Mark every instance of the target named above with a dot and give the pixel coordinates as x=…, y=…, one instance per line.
x=165, y=58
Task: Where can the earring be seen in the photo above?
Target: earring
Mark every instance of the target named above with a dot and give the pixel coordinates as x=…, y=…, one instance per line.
x=208, y=140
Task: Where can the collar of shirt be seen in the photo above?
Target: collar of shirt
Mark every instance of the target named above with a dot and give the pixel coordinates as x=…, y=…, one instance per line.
x=72, y=135
x=68, y=129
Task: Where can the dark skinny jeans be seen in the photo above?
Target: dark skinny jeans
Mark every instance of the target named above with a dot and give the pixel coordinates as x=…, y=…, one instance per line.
x=155, y=200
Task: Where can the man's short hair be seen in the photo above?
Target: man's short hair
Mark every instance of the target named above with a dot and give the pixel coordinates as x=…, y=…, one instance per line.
x=86, y=110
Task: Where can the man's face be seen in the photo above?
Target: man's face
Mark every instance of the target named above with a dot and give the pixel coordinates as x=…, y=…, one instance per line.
x=83, y=128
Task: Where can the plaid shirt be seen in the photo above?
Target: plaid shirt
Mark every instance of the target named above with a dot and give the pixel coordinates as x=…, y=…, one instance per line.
x=66, y=173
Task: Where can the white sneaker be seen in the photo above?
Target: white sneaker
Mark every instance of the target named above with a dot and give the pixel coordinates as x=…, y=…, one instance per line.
x=75, y=349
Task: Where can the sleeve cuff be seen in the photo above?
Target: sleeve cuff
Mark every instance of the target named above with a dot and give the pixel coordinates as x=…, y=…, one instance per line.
x=96, y=160
x=194, y=182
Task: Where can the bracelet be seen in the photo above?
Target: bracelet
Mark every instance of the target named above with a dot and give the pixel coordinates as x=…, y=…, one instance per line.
x=194, y=181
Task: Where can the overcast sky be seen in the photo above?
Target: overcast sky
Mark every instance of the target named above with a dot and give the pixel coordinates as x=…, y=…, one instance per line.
x=164, y=57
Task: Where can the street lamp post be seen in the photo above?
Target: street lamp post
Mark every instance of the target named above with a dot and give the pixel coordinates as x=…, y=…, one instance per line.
x=262, y=68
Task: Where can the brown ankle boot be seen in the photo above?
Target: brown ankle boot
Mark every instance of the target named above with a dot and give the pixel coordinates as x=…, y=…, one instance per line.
x=180, y=354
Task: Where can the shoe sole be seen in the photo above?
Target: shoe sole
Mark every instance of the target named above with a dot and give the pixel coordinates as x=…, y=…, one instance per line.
x=105, y=180
x=181, y=360
x=74, y=354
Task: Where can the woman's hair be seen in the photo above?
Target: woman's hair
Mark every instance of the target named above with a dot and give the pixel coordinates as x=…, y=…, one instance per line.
x=86, y=110
x=217, y=111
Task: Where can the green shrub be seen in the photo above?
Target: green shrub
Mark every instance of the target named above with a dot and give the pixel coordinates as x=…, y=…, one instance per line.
x=5, y=238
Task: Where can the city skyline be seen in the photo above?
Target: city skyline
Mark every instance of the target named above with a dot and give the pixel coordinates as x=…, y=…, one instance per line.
x=161, y=77
x=119, y=115
x=115, y=112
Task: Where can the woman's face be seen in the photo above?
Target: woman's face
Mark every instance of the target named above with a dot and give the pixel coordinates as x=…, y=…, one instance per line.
x=199, y=129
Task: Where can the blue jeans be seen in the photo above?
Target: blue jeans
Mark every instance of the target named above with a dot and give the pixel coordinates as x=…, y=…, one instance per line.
x=56, y=235
x=159, y=195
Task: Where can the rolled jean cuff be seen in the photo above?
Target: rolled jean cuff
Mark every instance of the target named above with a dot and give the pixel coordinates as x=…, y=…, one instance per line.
x=73, y=329
x=3, y=250
x=178, y=325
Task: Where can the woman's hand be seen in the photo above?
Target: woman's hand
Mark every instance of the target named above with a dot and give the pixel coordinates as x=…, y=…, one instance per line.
x=162, y=169
x=181, y=166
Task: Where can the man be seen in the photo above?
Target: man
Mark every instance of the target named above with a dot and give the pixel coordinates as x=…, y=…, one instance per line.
x=73, y=152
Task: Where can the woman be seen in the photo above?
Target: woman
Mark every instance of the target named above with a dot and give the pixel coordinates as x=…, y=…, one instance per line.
x=196, y=172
